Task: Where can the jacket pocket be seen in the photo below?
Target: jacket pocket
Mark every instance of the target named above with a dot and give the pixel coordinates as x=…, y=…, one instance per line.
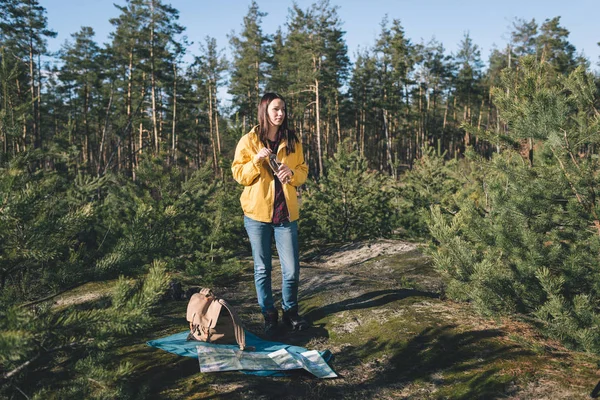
x=247, y=201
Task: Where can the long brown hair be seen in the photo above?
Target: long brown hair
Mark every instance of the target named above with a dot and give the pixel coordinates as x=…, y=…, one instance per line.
x=263, y=123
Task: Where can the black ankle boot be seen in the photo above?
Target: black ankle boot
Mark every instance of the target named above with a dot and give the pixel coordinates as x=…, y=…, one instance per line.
x=294, y=321
x=271, y=318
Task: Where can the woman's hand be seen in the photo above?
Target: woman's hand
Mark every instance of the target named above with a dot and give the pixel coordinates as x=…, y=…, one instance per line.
x=262, y=155
x=285, y=174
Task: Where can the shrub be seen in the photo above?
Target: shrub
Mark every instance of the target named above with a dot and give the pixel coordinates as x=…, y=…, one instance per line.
x=350, y=202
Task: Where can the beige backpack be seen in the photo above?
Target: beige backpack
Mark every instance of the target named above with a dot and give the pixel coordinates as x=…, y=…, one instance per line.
x=213, y=320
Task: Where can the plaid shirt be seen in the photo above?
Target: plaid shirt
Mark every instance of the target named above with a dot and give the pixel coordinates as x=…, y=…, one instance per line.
x=280, y=210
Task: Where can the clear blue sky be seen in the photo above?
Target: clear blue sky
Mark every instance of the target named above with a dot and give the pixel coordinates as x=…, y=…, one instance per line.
x=488, y=22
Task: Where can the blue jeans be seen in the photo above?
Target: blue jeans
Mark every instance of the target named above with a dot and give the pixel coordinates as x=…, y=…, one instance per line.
x=286, y=239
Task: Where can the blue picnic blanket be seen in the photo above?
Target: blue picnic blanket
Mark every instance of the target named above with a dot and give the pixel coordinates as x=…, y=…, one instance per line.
x=177, y=344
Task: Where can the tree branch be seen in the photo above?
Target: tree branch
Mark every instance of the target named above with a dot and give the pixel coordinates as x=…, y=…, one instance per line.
x=31, y=303
x=22, y=392
x=579, y=198
x=15, y=371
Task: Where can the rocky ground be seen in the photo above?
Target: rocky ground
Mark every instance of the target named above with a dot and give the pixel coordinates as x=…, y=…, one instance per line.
x=378, y=307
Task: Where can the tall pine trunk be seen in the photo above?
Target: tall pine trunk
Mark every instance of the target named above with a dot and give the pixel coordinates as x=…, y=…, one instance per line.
x=388, y=139
x=210, y=127
x=337, y=117
x=130, y=131
x=153, y=80
x=141, y=130
x=318, y=128
x=33, y=100
x=216, y=112
x=104, y=130
x=173, y=129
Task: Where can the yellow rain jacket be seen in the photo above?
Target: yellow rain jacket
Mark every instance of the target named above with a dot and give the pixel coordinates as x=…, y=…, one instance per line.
x=258, y=197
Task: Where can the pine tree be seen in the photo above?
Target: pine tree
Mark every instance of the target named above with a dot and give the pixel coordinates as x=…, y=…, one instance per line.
x=362, y=91
x=81, y=75
x=278, y=81
x=526, y=237
x=316, y=64
x=431, y=181
x=40, y=338
x=554, y=47
x=350, y=202
x=395, y=63
x=164, y=49
x=13, y=112
x=524, y=38
x=249, y=66
x=126, y=48
x=23, y=31
x=499, y=60
x=548, y=42
x=44, y=231
x=211, y=66
x=435, y=72
x=468, y=81
x=146, y=48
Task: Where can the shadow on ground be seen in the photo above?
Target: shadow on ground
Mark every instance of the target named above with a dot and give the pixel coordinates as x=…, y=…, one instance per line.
x=372, y=299
x=469, y=360
x=443, y=362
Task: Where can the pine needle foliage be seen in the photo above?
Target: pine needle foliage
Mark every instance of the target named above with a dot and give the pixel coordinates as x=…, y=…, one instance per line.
x=351, y=202
x=431, y=181
x=44, y=229
x=193, y=222
x=62, y=227
x=532, y=246
x=209, y=237
x=45, y=341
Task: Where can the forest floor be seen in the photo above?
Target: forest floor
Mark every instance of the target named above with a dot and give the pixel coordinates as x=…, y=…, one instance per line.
x=378, y=307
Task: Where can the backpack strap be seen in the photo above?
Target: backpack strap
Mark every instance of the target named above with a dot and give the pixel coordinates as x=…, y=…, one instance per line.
x=240, y=336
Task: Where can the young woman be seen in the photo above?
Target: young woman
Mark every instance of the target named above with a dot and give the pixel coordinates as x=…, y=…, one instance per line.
x=270, y=206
